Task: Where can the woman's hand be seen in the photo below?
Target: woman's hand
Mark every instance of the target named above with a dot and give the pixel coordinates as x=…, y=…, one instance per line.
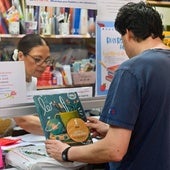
x=97, y=127
x=55, y=148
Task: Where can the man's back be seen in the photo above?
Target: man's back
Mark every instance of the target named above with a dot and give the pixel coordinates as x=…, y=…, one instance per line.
x=149, y=147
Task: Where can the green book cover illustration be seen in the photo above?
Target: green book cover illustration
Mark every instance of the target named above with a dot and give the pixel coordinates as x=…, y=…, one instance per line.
x=63, y=118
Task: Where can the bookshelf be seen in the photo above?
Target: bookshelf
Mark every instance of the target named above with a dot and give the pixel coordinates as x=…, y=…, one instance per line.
x=38, y=15
x=46, y=36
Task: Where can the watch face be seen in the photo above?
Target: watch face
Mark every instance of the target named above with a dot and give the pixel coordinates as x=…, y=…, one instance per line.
x=77, y=130
x=64, y=157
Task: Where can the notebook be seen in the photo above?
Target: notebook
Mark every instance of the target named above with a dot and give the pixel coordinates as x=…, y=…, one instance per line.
x=63, y=118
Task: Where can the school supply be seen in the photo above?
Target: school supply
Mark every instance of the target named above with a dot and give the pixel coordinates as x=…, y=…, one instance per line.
x=63, y=118
x=7, y=141
x=35, y=158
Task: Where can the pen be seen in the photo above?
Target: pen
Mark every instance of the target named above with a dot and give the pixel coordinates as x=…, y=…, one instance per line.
x=35, y=153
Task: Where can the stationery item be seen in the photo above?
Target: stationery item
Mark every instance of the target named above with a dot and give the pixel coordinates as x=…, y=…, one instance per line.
x=46, y=21
x=3, y=26
x=70, y=18
x=4, y=5
x=30, y=27
x=37, y=18
x=76, y=21
x=32, y=138
x=83, y=22
x=63, y=118
x=64, y=21
x=66, y=14
x=55, y=25
x=6, y=141
x=91, y=22
x=67, y=75
x=23, y=7
x=14, y=28
x=64, y=28
x=17, y=5
x=36, y=158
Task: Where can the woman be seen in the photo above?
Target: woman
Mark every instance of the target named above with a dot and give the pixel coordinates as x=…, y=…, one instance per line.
x=35, y=52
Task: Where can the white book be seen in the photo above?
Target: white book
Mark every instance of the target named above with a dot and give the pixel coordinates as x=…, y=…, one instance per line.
x=36, y=158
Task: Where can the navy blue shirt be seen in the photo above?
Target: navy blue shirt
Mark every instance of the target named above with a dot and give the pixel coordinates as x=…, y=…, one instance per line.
x=139, y=99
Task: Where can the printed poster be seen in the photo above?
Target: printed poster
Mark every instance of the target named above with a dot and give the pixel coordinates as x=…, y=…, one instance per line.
x=87, y=4
x=110, y=54
x=12, y=83
x=109, y=48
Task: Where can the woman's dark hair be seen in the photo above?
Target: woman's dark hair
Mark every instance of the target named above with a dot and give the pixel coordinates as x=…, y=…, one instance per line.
x=141, y=19
x=30, y=41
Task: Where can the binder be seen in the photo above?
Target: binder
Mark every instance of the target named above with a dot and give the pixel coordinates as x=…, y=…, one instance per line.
x=76, y=21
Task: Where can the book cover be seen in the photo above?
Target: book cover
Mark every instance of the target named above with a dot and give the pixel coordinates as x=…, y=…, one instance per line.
x=63, y=118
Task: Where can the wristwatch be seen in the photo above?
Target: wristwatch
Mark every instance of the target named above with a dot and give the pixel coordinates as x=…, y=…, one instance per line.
x=65, y=154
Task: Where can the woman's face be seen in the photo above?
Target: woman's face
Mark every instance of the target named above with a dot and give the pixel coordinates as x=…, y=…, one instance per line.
x=36, y=61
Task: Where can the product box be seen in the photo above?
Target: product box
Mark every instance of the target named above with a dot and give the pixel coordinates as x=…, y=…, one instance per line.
x=83, y=78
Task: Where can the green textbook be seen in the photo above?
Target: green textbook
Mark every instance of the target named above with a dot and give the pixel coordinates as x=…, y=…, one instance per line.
x=63, y=118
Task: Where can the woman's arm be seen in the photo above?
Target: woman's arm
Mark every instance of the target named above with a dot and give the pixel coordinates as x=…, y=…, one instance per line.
x=30, y=123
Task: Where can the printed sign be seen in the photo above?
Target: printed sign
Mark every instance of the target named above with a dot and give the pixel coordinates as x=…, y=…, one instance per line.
x=12, y=83
x=110, y=54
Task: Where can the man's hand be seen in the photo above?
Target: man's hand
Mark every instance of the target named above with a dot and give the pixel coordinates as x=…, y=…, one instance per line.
x=55, y=148
x=97, y=127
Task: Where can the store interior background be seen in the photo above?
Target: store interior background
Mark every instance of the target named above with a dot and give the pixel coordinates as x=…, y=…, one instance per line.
x=62, y=46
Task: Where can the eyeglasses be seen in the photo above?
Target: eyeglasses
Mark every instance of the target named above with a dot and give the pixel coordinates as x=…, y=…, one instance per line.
x=38, y=61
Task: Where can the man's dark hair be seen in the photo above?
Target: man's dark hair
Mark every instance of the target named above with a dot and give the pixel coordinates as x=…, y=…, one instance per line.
x=141, y=19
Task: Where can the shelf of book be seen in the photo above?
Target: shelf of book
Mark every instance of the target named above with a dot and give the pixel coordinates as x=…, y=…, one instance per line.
x=46, y=36
x=60, y=86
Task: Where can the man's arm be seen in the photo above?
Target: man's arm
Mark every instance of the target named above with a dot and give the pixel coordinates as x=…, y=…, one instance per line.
x=112, y=147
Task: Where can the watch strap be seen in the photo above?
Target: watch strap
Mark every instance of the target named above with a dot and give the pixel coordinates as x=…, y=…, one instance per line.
x=65, y=154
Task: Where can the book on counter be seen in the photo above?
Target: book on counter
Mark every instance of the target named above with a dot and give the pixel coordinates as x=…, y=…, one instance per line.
x=35, y=157
x=63, y=118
